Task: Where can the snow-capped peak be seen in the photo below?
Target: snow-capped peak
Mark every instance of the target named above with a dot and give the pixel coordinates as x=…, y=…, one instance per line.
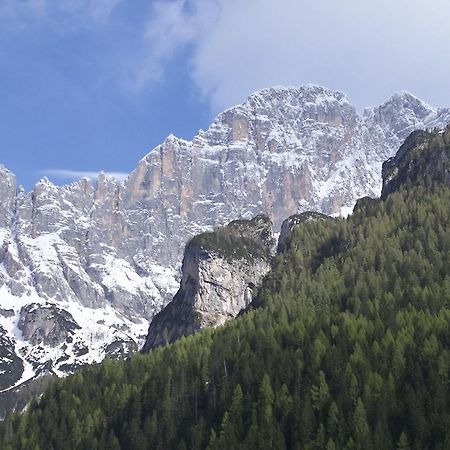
x=406, y=100
x=109, y=253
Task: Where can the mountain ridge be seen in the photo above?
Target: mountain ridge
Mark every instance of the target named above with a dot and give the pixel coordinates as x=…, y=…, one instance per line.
x=348, y=347
x=109, y=252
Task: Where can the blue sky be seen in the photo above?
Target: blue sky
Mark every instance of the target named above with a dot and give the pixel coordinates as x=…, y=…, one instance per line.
x=89, y=85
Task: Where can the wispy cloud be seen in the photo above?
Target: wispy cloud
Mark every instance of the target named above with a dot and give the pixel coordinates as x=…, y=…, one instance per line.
x=24, y=12
x=173, y=26
x=233, y=47
x=66, y=174
x=100, y=10
x=237, y=47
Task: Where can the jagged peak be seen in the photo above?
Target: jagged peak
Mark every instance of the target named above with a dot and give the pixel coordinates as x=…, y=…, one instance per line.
x=276, y=101
x=146, y=158
x=44, y=185
x=84, y=180
x=407, y=100
x=305, y=94
x=315, y=90
x=5, y=170
x=103, y=177
x=271, y=96
x=172, y=138
x=44, y=181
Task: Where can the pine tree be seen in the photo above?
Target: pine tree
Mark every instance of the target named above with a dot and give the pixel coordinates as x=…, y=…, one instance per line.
x=402, y=442
x=361, y=431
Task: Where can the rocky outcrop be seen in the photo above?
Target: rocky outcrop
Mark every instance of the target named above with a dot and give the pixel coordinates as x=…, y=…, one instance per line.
x=7, y=312
x=11, y=366
x=46, y=324
x=121, y=348
x=424, y=158
x=7, y=196
x=221, y=272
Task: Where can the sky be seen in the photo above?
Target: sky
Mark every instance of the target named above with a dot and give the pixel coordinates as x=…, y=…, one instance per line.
x=94, y=85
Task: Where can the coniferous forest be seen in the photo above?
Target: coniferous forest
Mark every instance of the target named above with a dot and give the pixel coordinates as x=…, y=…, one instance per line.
x=347, y=347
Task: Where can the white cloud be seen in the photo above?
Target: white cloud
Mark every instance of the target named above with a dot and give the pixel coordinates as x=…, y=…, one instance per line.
x=173, y=25
x=65, y=174
x=367, y=48
x=95, y=10
x=17, y=13
x=231, y=48
x=100, y=10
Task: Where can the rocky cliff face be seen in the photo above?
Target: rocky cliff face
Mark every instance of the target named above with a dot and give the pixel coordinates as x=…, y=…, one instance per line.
x=11, y=366
x=285, y=150
x=108, y=253
x=221, y=272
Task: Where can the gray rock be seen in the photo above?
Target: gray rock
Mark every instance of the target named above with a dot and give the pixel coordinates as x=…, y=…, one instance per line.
x=11, y=366
x=7, y=196
x=46, y=324
x=7, y=312
x=282, y=152
x=121, y=349
x=221, y=272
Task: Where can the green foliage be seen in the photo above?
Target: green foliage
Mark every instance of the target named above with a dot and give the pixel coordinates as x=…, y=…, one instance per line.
x=240, y=239
x=350, y=349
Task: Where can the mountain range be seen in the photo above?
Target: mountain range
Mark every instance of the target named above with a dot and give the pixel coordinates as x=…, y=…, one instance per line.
x=85, y=267
x=343, y=345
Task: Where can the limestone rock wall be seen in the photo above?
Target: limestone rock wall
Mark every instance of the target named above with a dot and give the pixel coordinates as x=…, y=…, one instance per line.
x=221, y=273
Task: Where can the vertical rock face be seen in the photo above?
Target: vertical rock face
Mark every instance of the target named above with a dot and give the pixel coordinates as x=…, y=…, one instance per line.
x=284, y=151
x=70, y=290
x=109, y=252
x=11, y=366
x=221, y=272
x=7, y=196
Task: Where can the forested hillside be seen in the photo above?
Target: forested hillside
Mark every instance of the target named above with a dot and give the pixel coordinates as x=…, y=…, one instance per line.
x=349, y=348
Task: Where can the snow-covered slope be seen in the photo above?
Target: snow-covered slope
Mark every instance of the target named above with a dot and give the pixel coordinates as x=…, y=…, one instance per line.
x=68, y=295
x=84, y=267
